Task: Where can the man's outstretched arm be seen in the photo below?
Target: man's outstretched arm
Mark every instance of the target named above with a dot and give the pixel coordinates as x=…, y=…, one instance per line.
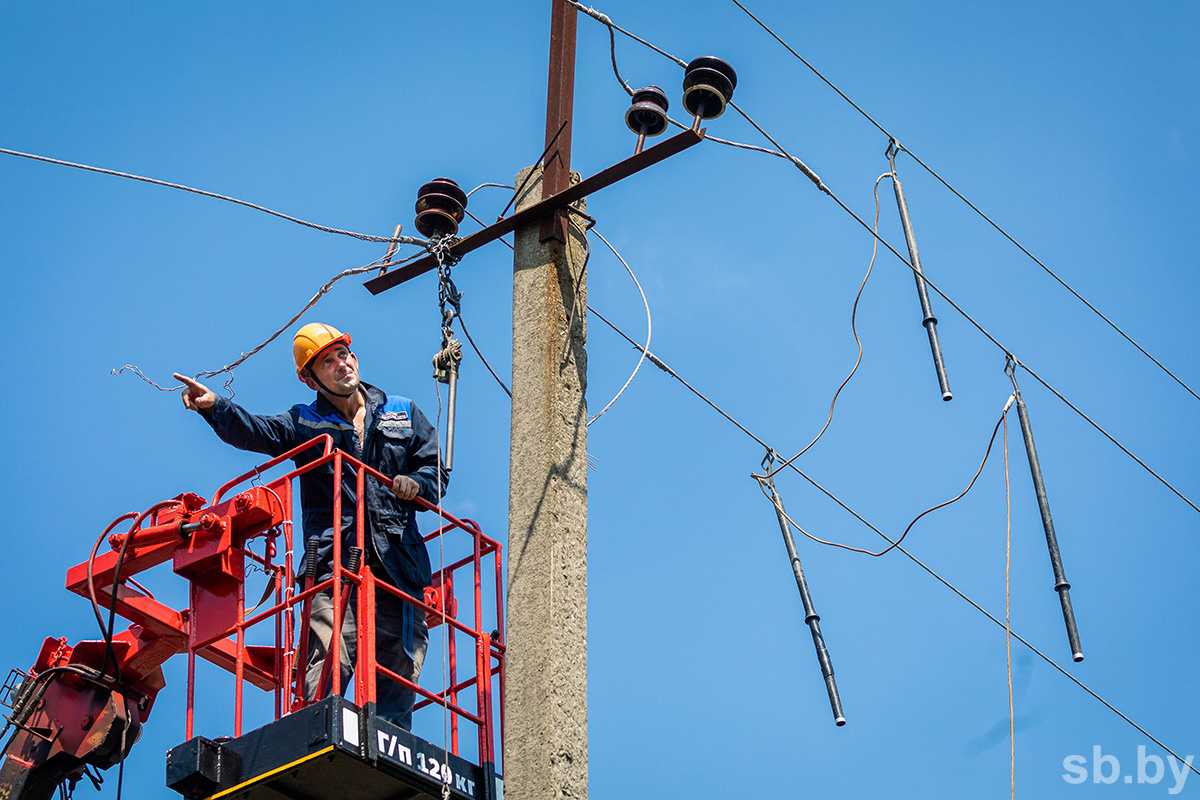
x=270, y=435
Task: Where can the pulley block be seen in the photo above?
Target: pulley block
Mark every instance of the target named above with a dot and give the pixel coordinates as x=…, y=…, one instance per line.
x=441, y=206
x=708, y=84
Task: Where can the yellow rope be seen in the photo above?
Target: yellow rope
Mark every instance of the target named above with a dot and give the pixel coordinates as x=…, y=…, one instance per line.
x=1012, y=733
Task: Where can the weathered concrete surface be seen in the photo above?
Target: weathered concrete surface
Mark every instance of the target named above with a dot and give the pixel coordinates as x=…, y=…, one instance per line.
x=545, y=753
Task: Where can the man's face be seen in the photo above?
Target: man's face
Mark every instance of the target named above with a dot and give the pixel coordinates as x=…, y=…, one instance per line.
x=337, y=369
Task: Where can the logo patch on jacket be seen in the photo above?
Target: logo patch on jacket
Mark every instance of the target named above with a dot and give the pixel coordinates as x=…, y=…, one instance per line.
x=394, y=420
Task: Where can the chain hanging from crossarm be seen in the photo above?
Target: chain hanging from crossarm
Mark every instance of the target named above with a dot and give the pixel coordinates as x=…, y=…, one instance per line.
x=447, y=359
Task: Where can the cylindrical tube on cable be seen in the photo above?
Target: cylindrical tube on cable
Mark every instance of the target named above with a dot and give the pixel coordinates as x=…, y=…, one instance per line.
x=1061, y=585
x=811, y=618
x=927, y=318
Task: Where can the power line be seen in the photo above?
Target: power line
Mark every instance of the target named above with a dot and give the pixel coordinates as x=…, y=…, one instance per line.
x=229, y=368
x=649, y=329
x=972, y=206
x=812, y=176
x=895, y=543
x=366, y=237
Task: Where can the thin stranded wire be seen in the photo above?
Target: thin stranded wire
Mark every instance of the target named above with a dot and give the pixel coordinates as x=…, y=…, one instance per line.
x=820, y=185
x=972, y=206
x=929, y=570
x=762, y=487
x=228, y=368
x=645, y=349
x=366, y=237
x=474, y=347
x=483, y=185
x=612, y=49
x=1012, y=720
x=854, y=329
x=459, y=317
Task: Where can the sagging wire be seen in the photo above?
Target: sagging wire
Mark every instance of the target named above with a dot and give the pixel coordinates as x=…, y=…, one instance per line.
x=228, y=368
x=762, y=487
x=645, y=349
x=366, y=237
x=971, y=205
x=658, y=362
x=461, y=323
x=812, y=176
x=857, y=340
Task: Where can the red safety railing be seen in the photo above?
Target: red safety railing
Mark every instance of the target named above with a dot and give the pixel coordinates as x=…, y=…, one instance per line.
x=210, y=545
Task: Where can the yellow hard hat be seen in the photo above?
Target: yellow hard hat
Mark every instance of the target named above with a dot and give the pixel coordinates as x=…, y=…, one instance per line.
x=312, y=339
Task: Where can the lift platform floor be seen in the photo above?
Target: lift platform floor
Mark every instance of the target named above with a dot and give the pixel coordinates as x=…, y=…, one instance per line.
x=328, y=751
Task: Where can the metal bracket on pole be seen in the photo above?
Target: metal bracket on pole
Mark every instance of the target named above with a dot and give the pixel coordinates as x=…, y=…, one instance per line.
x=1061, y=585
x=811, y=618
x=541, y=210
x=927, y=319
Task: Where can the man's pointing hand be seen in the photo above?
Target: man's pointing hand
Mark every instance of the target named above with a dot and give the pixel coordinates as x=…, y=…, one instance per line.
x=195, y=394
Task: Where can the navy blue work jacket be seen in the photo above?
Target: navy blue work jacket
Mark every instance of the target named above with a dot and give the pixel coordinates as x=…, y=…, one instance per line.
x=399, y=441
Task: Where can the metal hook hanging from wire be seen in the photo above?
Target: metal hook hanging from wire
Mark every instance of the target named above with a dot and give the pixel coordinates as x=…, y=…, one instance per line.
x=1061, y=585
x=927, y=317
x=811, y=618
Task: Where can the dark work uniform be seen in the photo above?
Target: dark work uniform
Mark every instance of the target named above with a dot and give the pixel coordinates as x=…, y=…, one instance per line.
x=398, y=441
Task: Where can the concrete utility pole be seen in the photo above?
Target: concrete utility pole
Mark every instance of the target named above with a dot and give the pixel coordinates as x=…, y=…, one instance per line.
x=545, y=693
x=545, y=754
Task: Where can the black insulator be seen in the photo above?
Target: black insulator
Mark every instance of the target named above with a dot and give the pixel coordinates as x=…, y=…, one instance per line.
x=310, y=559
x=441, y=205
x=354, y=563
x=647, y=116
x=708, y=84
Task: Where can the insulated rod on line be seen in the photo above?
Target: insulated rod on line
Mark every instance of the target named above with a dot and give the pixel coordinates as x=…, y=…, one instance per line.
x=811, y=617
x=1061, y=585
x=928, y=319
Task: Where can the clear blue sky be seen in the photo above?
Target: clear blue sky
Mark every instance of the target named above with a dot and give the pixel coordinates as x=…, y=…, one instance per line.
x=1073, y=124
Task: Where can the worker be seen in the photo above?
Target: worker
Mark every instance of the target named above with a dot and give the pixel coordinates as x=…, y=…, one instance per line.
x=386, y=432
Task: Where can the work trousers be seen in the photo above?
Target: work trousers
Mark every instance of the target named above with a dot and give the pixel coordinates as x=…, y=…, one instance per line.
x=401, y=639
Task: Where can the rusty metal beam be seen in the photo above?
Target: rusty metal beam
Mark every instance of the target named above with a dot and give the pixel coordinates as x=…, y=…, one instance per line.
x=560, y=101
x=541, y=210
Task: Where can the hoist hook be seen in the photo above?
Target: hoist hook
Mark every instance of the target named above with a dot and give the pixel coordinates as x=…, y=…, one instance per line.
x=447, y=359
